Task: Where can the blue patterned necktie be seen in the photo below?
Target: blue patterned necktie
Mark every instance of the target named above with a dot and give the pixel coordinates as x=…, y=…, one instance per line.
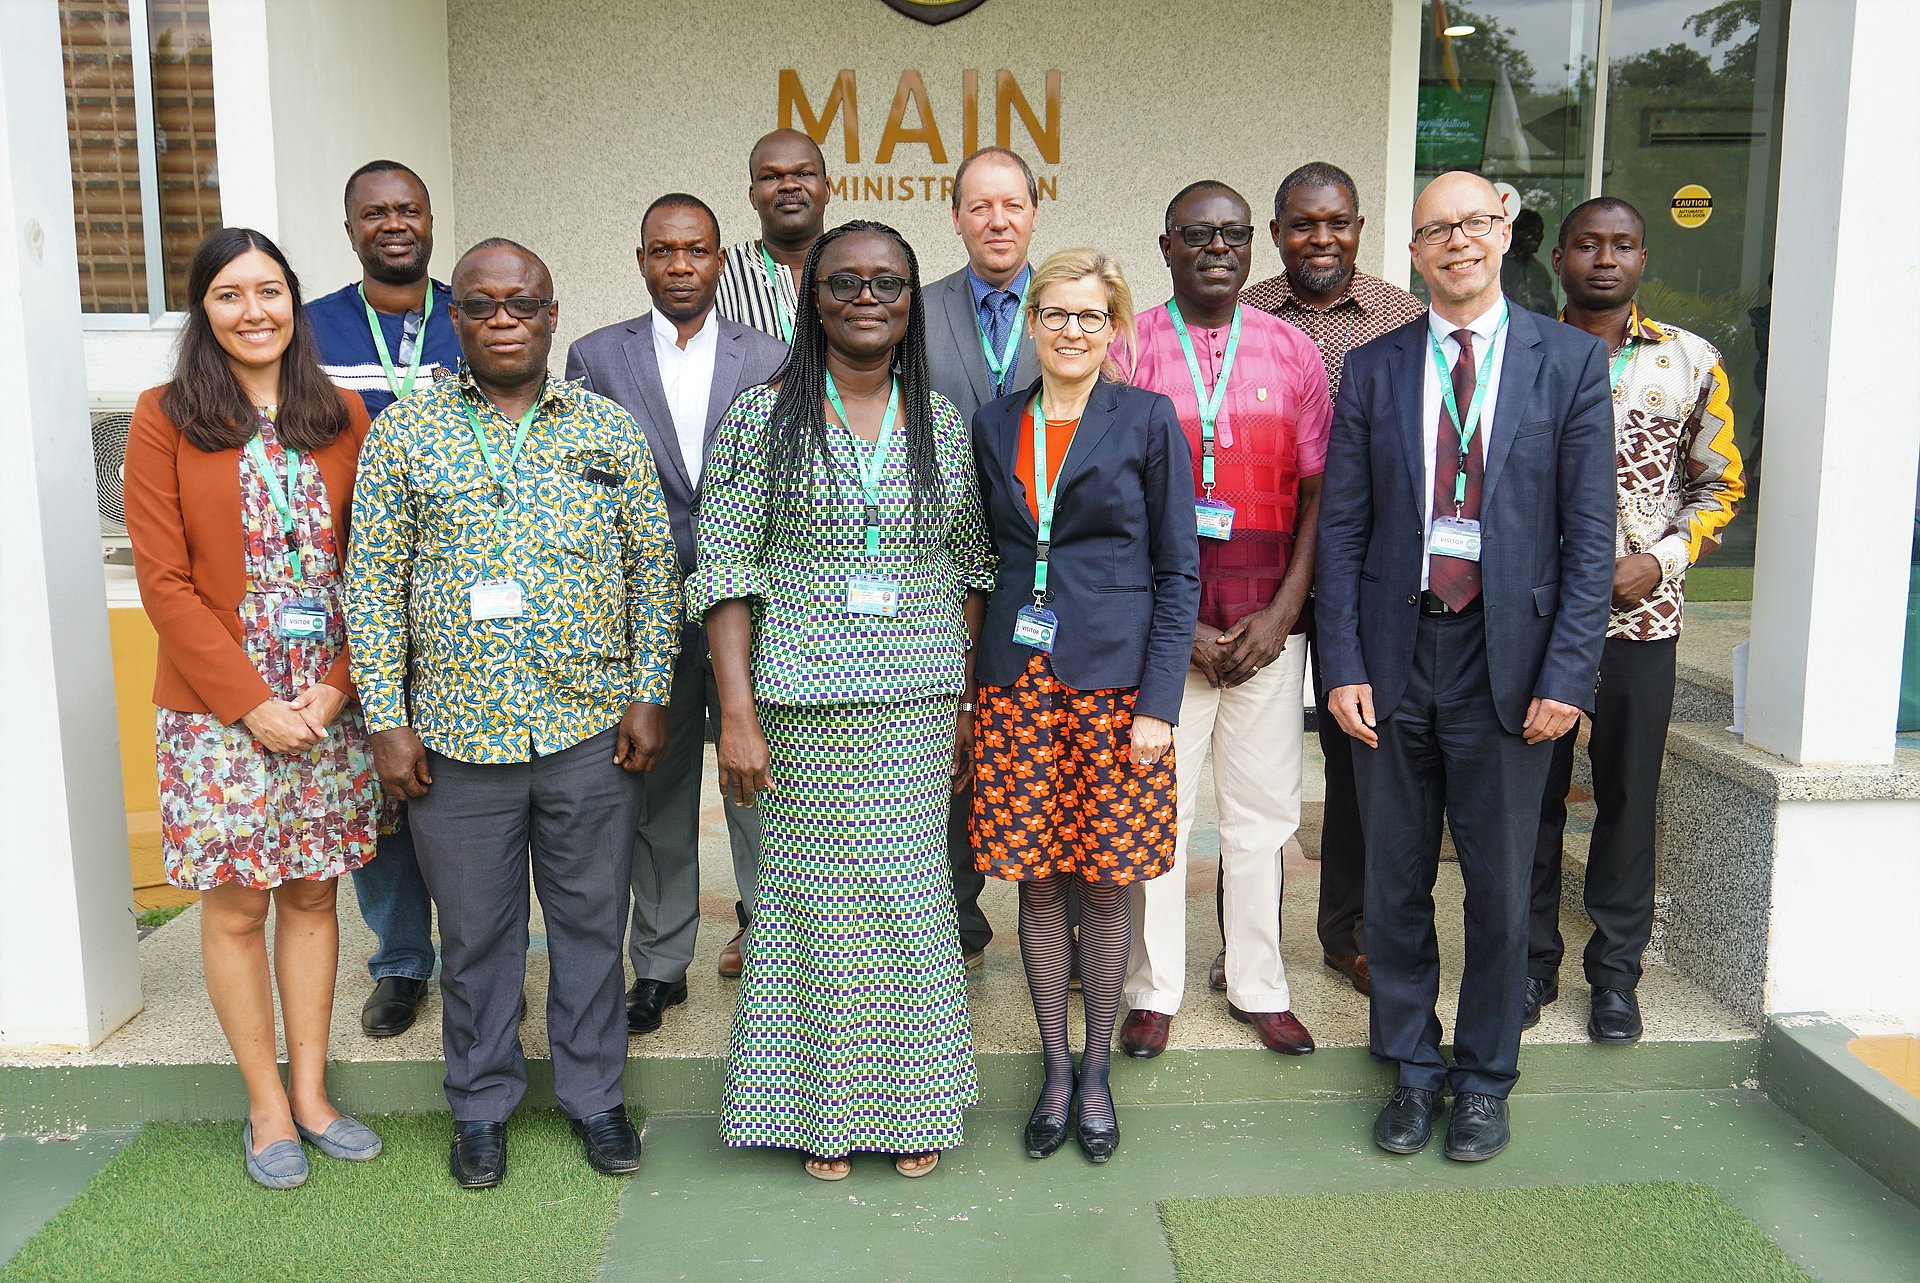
x=998, y=306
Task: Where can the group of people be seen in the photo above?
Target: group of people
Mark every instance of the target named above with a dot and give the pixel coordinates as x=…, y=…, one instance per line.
x=965, y=578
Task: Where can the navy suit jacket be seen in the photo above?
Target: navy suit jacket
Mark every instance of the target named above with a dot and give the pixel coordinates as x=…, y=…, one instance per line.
x=1546, y=513
x=1123, y=572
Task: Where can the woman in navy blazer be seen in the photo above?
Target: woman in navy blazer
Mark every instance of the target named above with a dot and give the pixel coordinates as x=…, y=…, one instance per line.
x=1080, y=684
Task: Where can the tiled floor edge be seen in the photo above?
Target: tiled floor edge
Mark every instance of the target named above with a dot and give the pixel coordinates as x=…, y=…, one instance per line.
x=65, y=1100
x=1806, y=1069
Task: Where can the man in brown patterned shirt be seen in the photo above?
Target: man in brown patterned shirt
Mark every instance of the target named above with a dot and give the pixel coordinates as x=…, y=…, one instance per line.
x=1679, y=481
x=1316, y=227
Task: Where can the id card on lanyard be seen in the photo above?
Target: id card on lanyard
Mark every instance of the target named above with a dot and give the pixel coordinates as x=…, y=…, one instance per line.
x=300, y=617
x=504, y=597
x=870, y=594
x=395, y=384
x=1213, y=517
x=1459, y=535
x=1034, y=625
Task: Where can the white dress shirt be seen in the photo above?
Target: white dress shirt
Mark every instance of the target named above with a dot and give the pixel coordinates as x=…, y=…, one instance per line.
x=687, y=376
x=1487, y=327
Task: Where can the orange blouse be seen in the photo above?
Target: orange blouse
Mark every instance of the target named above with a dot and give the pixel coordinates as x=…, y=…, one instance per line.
x=1059, y=438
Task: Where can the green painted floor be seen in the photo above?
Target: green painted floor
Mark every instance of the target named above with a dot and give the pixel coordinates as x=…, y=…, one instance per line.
x=41, y=1175
x=698, y=1212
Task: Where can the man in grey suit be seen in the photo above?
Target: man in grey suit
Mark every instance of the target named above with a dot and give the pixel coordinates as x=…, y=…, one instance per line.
x=676, y=370
x=1462, y=579
x=978, y=349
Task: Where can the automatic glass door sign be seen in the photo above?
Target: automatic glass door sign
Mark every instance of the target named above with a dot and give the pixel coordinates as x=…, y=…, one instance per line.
x=1692, y=206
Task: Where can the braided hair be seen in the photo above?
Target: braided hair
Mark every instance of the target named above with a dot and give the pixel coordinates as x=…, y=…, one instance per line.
x=797, y=425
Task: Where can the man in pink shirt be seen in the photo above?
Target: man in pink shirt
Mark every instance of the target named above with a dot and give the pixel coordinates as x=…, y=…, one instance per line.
x=1251, y=393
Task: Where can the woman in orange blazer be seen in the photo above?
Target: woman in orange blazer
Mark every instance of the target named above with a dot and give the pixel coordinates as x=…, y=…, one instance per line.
x=239, y=482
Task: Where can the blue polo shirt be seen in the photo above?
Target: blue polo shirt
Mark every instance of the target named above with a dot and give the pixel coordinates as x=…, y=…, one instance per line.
x=347, y=354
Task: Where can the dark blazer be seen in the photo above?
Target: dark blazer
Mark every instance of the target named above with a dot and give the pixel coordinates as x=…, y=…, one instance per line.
x=956, y=363
x=617, y=361
x=1547, y=514
x=1123, y=573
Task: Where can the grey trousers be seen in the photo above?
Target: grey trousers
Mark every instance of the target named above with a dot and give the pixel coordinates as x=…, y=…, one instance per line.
x=473, y=830
x=666, y=851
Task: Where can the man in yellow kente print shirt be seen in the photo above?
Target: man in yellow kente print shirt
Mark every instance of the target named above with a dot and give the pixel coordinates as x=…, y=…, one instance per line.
x=512, y=616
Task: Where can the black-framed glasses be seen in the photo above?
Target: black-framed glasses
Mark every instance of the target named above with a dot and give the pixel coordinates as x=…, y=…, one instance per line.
x=1092, y=321
x=1477, y=226
x=1200, y=235
x=847, y=287
x=519, y=308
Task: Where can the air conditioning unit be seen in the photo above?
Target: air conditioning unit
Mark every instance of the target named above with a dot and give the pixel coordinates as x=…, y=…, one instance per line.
x=111, y=422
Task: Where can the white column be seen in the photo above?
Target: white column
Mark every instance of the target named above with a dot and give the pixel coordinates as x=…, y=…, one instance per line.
x=69, y=968
x=1403, y=127
x=1842, y=437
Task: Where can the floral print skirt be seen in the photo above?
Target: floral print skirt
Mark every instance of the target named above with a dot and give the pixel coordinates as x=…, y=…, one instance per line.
x=1055, y=789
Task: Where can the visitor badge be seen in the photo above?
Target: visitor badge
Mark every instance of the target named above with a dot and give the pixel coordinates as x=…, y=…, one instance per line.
x=1036, y=626
x=1215, y=518
x=872, y=596
x=1455, y=537
x=303, y=619
x=497, y=599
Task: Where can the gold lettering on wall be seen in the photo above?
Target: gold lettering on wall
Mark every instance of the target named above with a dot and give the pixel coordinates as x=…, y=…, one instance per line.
x=1006, y=94
x=913, y=89
x=793, y=99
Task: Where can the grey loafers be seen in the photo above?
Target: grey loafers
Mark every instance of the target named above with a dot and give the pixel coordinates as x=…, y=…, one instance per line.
x=281, y=1165
x=345, y=1138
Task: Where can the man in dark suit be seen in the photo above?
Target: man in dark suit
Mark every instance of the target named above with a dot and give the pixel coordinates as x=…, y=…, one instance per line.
x=978, y=349
x=676, y=370
x=1463, y=574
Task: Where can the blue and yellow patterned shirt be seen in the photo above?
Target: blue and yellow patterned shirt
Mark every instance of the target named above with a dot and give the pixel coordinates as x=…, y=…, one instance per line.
x=584, y=532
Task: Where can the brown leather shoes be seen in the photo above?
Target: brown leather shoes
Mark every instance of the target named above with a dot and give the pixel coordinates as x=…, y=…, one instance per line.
x=1279, y=1030
x=1217, y=974
x=1144, y=1035
x=1354, y=969
x=731, y=963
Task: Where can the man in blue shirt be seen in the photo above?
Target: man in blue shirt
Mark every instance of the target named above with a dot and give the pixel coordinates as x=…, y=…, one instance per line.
x=382, y=337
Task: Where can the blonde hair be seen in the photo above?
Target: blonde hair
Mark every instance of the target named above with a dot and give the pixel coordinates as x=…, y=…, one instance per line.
x=1077, y=264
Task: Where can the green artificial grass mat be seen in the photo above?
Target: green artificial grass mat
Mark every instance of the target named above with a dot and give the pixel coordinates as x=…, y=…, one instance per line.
x=176, y=1204
x=1660, y=1233
x=1720, y=583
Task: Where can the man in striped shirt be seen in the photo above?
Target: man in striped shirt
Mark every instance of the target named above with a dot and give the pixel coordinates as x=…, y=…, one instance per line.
x=1679, y=480
x=788, y=190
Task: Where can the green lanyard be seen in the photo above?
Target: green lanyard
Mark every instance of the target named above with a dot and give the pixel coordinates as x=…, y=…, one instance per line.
x=1472, y=424
x=871, y=462
x=395, y=385
x=502, y=477
x=282, y=497
x=998, y=366
x=1209, y=405
x=773, y=283
x=1043, y=495
x=1620, y=360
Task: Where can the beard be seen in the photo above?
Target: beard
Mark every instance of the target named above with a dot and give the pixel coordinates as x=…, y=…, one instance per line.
x=403, y=273
x=1327, y=280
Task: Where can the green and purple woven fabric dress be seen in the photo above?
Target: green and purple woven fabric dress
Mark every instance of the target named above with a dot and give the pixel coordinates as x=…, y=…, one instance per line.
x=851, y=1031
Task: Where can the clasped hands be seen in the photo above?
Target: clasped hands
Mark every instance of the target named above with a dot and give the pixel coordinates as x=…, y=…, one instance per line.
x=1352, y=707
x=295, y=725
x=1231, y=657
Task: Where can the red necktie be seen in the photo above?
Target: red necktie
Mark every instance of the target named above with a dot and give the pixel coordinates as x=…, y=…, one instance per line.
x=1456, y=580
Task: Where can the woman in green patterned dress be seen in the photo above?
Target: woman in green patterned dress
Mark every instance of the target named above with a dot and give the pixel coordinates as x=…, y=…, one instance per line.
x=842, y=572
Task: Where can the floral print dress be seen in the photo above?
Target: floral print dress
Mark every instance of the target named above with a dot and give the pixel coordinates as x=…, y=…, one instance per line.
x=231, y=810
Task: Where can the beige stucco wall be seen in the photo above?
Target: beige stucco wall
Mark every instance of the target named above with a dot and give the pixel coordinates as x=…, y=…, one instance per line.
x=569, y=116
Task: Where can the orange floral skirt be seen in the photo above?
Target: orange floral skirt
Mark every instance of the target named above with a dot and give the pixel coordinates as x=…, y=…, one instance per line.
x=1055, y=789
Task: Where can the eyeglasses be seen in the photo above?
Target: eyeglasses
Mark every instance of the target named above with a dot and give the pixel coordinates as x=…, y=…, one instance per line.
x=1092, y=321
x=1441, y=233
x=847, y=287
x=1200, y=235
x=520, y=309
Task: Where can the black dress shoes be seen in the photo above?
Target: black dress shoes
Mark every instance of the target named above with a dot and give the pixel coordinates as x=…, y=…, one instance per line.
x=1405, y=1123
x=648, y=1000
x=1478, y=1129
x=1098, y=1139
x=1046, y=1131
x=1539, y=994
x=392, y=1006
x=612, y=1143
x=479, y=1158
x=1615, y=1016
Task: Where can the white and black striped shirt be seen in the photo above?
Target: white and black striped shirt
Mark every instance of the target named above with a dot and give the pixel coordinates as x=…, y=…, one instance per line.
x=748, y=297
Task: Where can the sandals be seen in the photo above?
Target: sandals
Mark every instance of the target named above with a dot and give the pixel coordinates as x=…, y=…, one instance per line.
x=914, y=1166
x=827, y=1169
